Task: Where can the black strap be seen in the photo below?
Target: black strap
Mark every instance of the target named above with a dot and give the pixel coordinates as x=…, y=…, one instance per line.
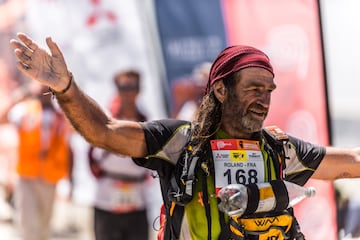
x=274, y=157
x=173, y=222
x=225, y=233
x=276, y=142
x=295, y=231
x=253, y=193
x=181, y=186
x=239, y=228
x=191, y=176
x=281, y=195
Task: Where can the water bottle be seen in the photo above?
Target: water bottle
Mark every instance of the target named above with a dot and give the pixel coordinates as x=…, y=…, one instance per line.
x=297, y=193
x=276, y=195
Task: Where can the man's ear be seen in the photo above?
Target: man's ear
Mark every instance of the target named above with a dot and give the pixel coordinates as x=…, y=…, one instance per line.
x=220, y=90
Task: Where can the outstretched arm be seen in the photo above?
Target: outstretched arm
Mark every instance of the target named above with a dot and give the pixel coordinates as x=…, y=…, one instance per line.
x=99, y=129
x=339, y=163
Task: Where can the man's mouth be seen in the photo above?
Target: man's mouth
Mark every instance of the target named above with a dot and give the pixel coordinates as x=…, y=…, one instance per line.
x=258, y=114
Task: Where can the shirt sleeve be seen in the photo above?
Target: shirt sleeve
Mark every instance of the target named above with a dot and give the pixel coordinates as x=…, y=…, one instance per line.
x=159, y=132
x=302, y=160
x=165, y=141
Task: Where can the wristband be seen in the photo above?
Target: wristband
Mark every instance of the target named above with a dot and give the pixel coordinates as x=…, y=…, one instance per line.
x=53, y=92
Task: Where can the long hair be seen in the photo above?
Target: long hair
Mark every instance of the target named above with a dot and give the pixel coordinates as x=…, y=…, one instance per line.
x=208, y=118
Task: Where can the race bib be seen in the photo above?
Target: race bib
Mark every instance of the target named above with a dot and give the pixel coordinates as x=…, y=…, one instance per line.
x=127, y=197
x=237, y=161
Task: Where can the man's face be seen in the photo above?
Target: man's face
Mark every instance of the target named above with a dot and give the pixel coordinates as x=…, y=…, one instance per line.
x=247, y=105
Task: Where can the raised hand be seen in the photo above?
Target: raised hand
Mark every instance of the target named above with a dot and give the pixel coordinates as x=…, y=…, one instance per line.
x=49, y=68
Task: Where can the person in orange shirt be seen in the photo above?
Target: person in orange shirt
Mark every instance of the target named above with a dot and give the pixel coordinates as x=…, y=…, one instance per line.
x=44, y=157
x=185, y=154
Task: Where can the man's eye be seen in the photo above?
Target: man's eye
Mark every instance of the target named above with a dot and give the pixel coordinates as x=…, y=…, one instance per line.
x=253, y=89
x=258, y=89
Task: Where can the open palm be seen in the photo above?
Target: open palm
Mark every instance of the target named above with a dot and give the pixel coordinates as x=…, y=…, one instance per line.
x=49, y=68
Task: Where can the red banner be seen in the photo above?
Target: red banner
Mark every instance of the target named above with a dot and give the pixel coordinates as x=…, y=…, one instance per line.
x=289, y=32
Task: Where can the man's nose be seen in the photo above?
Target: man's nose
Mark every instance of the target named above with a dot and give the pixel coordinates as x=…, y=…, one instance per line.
x=264, y=99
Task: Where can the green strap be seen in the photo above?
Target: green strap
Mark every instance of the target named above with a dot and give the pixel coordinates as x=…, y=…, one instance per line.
x=205, y=200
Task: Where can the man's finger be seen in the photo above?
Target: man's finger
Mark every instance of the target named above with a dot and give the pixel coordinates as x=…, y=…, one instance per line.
x=17, y=45
x=23, y=57
x=21, y=47
x=54, y=49
x=23, y=68
x=28, y=41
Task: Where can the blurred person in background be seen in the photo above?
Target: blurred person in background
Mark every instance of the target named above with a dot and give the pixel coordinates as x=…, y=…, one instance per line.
x=44, y=157
x=234, y=109
x=120, y=210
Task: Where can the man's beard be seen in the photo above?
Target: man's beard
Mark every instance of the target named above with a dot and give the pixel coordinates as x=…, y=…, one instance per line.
x=242, y=121
x=245, y=123
x=249, y=124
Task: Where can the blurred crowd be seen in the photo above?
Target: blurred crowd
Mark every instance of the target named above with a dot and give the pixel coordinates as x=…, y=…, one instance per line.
x=38, y=157
x=73, y=207
x=56, y=186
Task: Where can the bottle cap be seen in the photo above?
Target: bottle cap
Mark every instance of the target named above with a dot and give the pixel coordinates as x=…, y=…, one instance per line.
x=310, y=192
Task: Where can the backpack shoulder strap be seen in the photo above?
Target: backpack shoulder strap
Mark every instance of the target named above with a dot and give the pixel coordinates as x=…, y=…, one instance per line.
x=180, y=192
x=276, y=139
x=275, y=134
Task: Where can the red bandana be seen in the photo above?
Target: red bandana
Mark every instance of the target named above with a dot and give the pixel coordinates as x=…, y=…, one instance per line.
x=233, y=59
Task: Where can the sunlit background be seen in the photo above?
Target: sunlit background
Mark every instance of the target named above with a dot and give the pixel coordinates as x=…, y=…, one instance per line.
x=101, y=37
